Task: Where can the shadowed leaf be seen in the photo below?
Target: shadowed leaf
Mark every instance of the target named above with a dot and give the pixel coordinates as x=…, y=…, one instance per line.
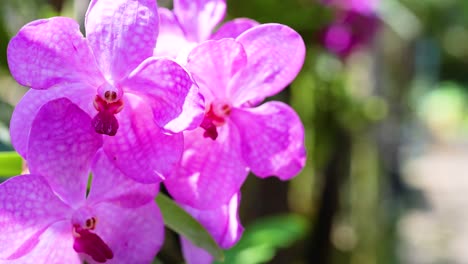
x=182, y=223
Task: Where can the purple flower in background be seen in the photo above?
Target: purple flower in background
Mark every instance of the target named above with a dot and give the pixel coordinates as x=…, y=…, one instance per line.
x=47, y=214
x=237, y=136
x=359, y=6
x=192, y=22
x=355, y=25
x=111, y=75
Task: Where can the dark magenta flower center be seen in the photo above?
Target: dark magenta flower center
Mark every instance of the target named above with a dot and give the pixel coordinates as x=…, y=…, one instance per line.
x=215, y=117
x=89, y=243
x=105, y=122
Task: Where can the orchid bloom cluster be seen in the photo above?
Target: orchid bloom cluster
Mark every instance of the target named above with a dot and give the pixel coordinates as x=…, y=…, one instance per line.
x=150, y=96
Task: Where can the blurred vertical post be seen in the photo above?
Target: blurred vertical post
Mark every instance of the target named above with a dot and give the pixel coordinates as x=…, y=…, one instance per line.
x=57, y=5
x=79, y=11
x=335, y=172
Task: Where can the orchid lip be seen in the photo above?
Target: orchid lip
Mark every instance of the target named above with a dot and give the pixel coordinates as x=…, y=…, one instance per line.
x=105, y=122
x=216, y=116
x=89, y=243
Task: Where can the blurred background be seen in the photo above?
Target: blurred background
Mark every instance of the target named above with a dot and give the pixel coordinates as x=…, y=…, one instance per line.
x=383, y=96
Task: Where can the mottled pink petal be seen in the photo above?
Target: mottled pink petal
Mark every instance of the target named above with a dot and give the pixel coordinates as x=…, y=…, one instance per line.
x=199, y=17
x=213, y=64
x=65, y=131
x=55, y=247
x=28, y=206
x=109, y=184
x=140, y=149
x=134, y=235
x=272, y=139
x=49, y=52
x=275, y=56
x=211, y=171
x=193, y=111
x=222, y=223
x=171, y=39
x=122, y=34
x=233, y=28
x=165, y=85
x=27, y=108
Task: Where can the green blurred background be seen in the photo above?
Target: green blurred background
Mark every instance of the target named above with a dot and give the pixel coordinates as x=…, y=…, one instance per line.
x=386, y=135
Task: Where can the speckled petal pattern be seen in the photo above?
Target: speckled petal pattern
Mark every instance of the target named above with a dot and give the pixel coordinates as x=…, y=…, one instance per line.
x=109, y=184
x=165, y=85
x=122, y=33
x=55, y=247
x=65, y=131
x=140, y=149
x=211, y=172
x=275, y=55
x=193, y=112
x=27, y=108
x=199, y=17
x=213, y=64
x=28, y=207
x=273, y=139
x=49, y=52
x=135, y=235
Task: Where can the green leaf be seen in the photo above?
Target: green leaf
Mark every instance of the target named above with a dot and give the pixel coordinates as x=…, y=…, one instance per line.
x=184, y=224
x=262, y=239
x=157, y=261
x=10, y=164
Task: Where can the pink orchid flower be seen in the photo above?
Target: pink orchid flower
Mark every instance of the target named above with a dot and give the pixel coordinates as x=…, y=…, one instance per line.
x=236, y=135
x=135, y=99
x=192, y=22
x=47, y=216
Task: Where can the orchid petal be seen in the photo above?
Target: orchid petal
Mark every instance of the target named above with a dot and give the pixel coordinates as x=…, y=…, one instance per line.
x=166, y=87
x=233, y=28
x=275, y=56
x=211, y=171
x=28, y=206
x=135, y=235
x=140, y=149
x=222, y=223
x=193, y=112
x=49, y=52
x=273, y=139
x=27, y=108
x=193, y=254
x=122, y=34
x=213, y=64
x=171, y=39
x=199, y=17
x=65, y=131
x=109, y=184
x=55, y=247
